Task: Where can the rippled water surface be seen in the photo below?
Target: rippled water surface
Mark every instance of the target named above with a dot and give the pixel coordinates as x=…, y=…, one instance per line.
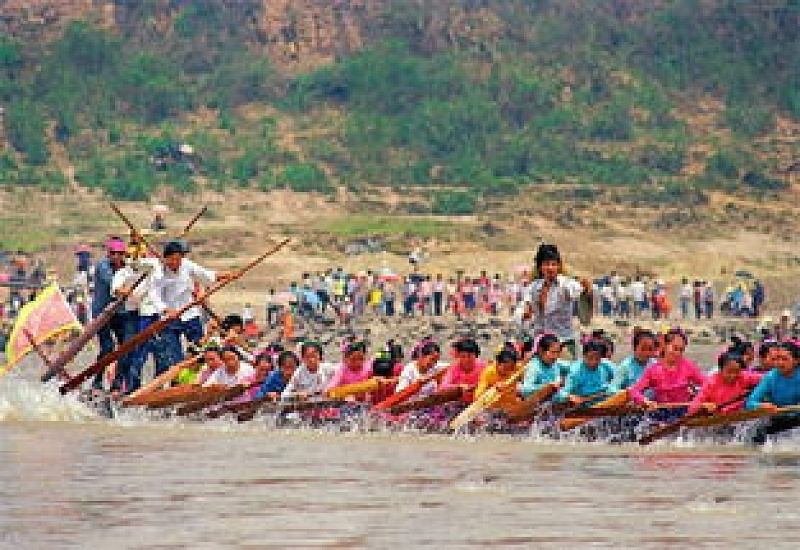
x=67, y=481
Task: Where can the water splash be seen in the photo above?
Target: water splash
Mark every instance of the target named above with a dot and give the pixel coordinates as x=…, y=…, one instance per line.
x=30, y=400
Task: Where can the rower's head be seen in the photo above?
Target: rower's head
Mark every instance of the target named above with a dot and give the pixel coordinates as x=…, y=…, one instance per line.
x=287, y=363
x=731, y=365
x=355, y=354
x=548, y=349
x=116, y=250
x=744, y=348
x=787, y=357
x=211, y=357
x=232, y=325
x=466, y=352
x=231, y=358
x=548, y=261
x=675, y=342
x=428, y=355
x=766, y=355
x=263, y=365
x=311, y=354
x=506, y=362
x=644, y=346
x=594, y=351
x=174, y=252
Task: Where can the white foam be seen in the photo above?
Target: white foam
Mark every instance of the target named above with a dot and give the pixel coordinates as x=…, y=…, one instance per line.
x=30, y=400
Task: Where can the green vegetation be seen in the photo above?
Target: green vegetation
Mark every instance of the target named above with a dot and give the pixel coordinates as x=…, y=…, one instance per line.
x=352, y=226
x=584, y=93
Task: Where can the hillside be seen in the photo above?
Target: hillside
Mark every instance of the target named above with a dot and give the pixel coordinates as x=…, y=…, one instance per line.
x=611, y=120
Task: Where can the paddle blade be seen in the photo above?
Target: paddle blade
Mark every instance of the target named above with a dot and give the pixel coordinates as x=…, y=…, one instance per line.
x=525, y=409
x=358, y=388
x=162, y=398
x=484, y=401
x=438, y=398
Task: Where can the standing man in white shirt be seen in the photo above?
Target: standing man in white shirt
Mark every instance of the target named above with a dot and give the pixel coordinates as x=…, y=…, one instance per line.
x=172, y=288
x=638, y=294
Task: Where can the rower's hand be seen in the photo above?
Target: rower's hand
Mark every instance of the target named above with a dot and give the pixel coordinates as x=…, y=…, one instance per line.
x=224, y=277
x=710, y=407
x=769, y=407
x=169, y=312
x=575, y=400
x=302, y=395
x=650, y=405
x=586, y=284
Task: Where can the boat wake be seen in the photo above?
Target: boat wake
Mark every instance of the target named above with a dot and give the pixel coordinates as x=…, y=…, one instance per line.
x=30, y=400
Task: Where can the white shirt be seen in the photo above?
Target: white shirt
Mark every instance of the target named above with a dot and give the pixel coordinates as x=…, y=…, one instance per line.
x=411, y=374
x=221, y=377
x=306, y=381
x=174, y=290
x=638, y=291
x=139, y=299
x=687, y=292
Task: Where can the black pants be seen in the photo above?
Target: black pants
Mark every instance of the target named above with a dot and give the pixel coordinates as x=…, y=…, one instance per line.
x=437, y=303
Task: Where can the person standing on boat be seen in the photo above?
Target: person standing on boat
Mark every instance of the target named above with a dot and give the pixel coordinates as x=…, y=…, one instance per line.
x=554, y=295
x=141, y=314
x=114, y=333
x=172, y=288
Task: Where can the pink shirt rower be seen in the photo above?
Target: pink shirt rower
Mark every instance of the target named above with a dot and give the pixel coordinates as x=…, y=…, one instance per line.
x=718, y=391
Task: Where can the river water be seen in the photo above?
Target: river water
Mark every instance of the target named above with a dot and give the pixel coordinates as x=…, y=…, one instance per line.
x=68, y=480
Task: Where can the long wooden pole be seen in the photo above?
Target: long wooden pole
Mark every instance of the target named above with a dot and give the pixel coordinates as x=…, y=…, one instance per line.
x=140, y=236
x=191, y=223
x=140, y=338
x=90, y=331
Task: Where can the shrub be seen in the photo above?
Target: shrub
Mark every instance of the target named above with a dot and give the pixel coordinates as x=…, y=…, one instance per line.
x=750, y=120
x=455, y=203
x=304, y=177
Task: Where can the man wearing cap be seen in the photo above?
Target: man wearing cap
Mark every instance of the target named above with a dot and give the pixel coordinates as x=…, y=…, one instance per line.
x=115, y=331
x=173, y=288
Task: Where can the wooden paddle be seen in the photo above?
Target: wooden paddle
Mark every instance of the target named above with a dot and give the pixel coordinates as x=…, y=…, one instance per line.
x=438, y=398
x=409, y=391
x=738, y=416
x=617, y=400
x=526, y=409
x=156, y=383
x=213, y=398
x=674, y=427
x=37, y=347
x=140, y=338
x=283, y=407
x=166, y=397
x=90, y=331
x=358, y=388
x=485, y=400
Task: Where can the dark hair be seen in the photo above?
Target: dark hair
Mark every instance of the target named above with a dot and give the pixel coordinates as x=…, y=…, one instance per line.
x=284, y=355
x=675, y=333
x=231, y=321
x=467, y=345
x=428, y=348
x=731, y=356
x=545, y=342
x=546, y=253
x=506, y=355
x=765, y=347
x=526, y=344
x=305, y=346
x=383, y=366
x=739, y=345
x=792, y=348
x=351, y=347
x=595, y=345
x=394, y=350
x=642, y=334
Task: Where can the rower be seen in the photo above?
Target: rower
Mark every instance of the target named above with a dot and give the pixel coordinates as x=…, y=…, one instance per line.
x=780, y=387
x=233, y=370
x=172, y=288
x=354, y=367
x=425, y=361
x=630, y=369
x=500, y=370
x=544, y=367
x=731, y=380
x=276, y=381
x=466, y=369
x=589, y=378
x=311, y=377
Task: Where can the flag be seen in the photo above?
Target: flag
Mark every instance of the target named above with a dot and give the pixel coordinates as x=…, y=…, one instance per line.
x=43, y=318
